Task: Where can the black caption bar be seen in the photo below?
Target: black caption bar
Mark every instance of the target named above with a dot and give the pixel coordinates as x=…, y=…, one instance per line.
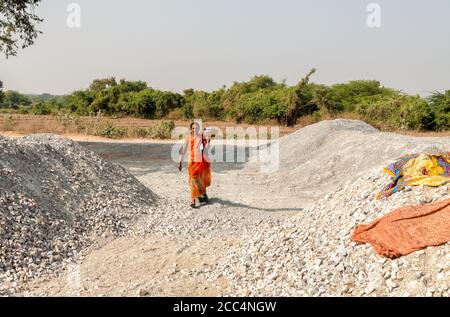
x=149, y=306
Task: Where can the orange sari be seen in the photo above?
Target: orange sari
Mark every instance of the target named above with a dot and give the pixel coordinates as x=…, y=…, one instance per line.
x=199, y=167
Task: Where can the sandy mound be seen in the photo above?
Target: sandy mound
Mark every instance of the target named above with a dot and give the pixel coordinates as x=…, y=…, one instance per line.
x=53, y=195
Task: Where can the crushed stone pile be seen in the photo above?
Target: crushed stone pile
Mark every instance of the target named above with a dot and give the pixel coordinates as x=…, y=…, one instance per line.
x=324, y=156
x=311, y=254
x=55, y=195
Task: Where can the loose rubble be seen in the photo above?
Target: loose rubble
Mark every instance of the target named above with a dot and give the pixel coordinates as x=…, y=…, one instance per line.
x=291, y=229
x=54, y=196
x=312, y=255
x=321, y=157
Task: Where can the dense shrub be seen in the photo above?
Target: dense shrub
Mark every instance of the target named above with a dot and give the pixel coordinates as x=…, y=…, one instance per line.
x=162, y=130
x=201, y=104
x=80, y=101
x=24, y=110
x=108, y=130
x=440, y=105
x=45, y=108
x=139, y=104
x=14, y=99
x=258, y=100
x=344, y=97
x=396, y=111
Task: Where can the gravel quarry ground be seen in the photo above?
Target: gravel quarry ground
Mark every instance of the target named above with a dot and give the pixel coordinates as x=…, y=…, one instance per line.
x=280, y=234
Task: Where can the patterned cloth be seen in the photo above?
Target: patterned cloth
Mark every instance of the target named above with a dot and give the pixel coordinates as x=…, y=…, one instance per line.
x=417, y=169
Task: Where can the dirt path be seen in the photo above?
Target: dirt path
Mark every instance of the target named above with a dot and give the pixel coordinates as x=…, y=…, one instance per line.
x=152, y=266
x=169, y=264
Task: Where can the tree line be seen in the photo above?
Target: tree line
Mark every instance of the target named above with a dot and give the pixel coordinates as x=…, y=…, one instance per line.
x=255, y=101
x=258, y=100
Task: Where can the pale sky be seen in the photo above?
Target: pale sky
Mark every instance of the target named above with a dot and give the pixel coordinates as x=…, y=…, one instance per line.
x=204, y=44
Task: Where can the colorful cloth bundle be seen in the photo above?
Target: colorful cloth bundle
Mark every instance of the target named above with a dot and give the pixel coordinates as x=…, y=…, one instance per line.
x=417, y=169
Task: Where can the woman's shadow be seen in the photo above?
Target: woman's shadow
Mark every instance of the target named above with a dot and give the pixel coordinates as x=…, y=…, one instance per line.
x=225, y=202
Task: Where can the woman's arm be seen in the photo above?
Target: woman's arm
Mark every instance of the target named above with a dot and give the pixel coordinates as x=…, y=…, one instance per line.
x=206, y=141
x=183, y=153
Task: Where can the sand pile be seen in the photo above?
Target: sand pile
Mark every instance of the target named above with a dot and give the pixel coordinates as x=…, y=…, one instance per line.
x=54, y=194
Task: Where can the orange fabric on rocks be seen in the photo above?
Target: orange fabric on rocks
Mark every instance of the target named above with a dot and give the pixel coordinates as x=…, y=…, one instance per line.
x=199, y=168
x=407, y=229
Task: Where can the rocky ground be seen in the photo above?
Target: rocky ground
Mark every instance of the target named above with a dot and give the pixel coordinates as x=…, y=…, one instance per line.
x=54, y=197
x=312, y=254
x=282, y=234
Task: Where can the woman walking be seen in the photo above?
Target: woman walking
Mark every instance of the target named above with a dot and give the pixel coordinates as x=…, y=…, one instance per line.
x=199, y=167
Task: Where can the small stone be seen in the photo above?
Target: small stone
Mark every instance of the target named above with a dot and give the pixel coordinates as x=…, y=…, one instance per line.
x=340, y=267
x=440, y=277
x=391, y=284
x=416, y=288
x=142, y=292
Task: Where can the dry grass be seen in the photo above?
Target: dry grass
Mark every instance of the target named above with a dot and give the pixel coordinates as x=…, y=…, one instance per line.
x=132, y=127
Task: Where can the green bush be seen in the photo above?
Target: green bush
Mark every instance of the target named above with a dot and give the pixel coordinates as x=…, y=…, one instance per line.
x=257, y=107
x=440, y=105
x=166, y=102
x=108, y=130
x=24, y=110
x=316, y=116
x=41, y=109
x=188, y=111
x=79, y=102
x=396, y=111
x=176, y=114
x=14, y=99
x=416, y=114
x=162, y=130
x=51, y=106
x=142, y=104
x=201, y=104
x=344, y=97
x=8, y=124
x=258, y=100
x=141, y=132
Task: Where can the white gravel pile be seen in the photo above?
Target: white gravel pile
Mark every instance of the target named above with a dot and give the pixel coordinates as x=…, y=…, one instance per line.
x=312, y=255
x=54, y=196
x=341, y=162
x=322, y=157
